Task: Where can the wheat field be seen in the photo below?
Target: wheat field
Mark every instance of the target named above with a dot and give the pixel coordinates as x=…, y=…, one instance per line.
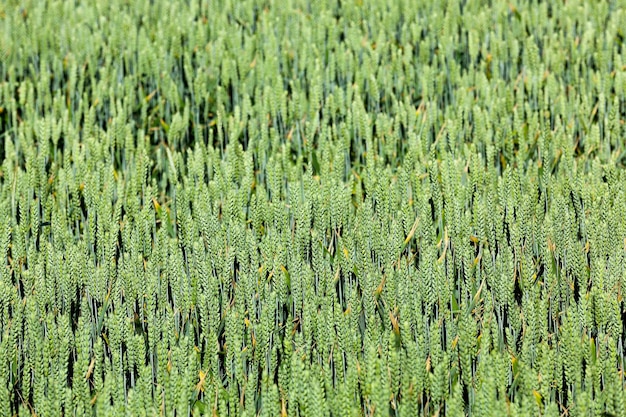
x=334, y=208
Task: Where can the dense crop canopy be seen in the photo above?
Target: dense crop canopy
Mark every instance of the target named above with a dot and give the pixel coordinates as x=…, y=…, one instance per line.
x=312, y=208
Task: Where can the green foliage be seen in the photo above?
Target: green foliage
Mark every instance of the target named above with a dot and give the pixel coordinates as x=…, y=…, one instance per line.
x=312, y=208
